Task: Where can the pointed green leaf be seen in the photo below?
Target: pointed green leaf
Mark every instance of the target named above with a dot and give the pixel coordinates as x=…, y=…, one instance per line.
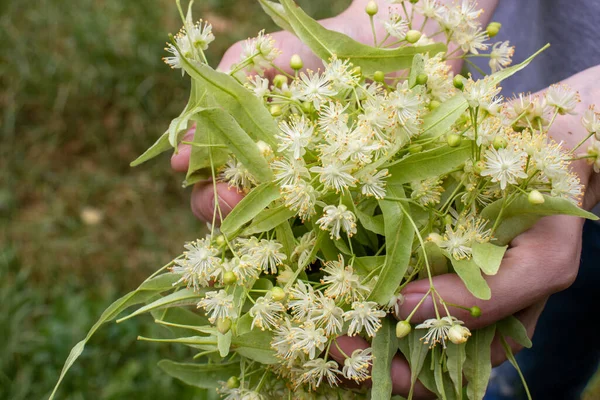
x=224, y=343
x=513, y=328
x=257, y=200
x=371, y=223
x=521, y=215
x=255, y=345
x=384, y=347
x=428, y=163
x=205, y=376
x=183, y=297
x=285, y=236
x=144, y=292
x=207, y=144
x=222, y=124
x=161, y=145
x=456, y=358
x=488, y=257
x=268, y=219
x=511, y=358
x=418, y=353
x=440, y=120
x=510, y=71
x=438, y=375
x=470, y=274
x=417, y=68
x=478, y=365
x=399, y=235
x=326, y=43
x=249, y=111
x=367, y=264
x=277, y=14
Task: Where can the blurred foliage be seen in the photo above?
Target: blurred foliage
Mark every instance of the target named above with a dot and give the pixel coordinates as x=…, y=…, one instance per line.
x=83, y=91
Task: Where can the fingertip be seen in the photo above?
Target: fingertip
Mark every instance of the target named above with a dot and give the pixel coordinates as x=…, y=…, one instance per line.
x=180, y=160
x=203, y=200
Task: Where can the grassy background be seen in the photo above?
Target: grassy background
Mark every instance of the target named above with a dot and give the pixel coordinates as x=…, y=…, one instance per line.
x=83, y=91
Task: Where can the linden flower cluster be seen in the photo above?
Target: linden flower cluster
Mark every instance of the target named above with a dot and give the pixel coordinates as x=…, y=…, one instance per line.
x=357, y=182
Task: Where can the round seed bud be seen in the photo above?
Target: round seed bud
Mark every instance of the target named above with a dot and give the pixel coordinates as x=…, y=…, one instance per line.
x=229, y=278
x=233, y=382
x=414, y=1
x=403, y=328
x=280, y=80
x=458, y=81
x=499, y=142
x=223, y=325
x=493, y=28
x=458, y=334
x=415, y=148
x=453, y=139
x=308, y=107
x=435, y=238
x=220, y=240
x=413, y=36
x=478, y=167
x=277, y=293
x=379, y=76
x=475, y=311
x=371, y=8
x=356, y=71
x=433, y=104
x=535, y=197
x=447, y=219
x=296, y=62
x=421, y=79
x=275, y=110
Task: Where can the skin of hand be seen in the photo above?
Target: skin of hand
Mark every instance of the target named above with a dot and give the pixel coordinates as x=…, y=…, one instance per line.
x=520, y=288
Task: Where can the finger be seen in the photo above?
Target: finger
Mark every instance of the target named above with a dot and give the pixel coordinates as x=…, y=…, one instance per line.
x=203, y=200
x=400, y=370
x=542, y=261
x=529, y=318
x=180, y=160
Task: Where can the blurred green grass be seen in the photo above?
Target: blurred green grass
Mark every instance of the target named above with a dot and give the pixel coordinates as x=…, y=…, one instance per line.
x=83, y=91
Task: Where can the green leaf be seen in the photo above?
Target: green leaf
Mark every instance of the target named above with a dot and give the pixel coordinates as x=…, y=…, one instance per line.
x=456, y=358
x=488, y=257
x=285, y=236
x=206, y=376
x=440, y=120
x=251, y=205
x=478, y=365
x=371, y=223
x=255, y=345
x=326, y=43
x=429, y=163
x=222, y=124
x=161, y=145
x=247, y=109
x=268, y=219
x=224, y=343
x=145, y=291
x=367, y=264
x=510, y=71
x=513, y=328
x=399, y=235
x=521, y=215
x=418, y=353
x=417, y=68
x=438, y=375
x=207, y=144
x=511, y=358
x=183, y=297
x=470, y=274
x=384, y=348
x=277, y=14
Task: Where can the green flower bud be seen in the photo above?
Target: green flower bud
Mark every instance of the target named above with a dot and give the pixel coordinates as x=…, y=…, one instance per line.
x=233, y=382
x=435, y=238
x=415, y=148
x=379, y=76
x=229, y=278
x=277, y=293
x=479, y=167
x=493, y=28
x=372, y=8
x=308, y=107
x=356, y=71
x=223, y=325
x=458, y=81
x=403, y=328
x=535, y=197
x=414, y=1
x=453, y=139
x=296, y=62
x=413, y=36
x=280, y=80
x=275, y=110
x=499, y=142
x=220, y=240
x=475, y=311
x=422, y=79
x=433, y=104
x=458, y=334
x=447, y=219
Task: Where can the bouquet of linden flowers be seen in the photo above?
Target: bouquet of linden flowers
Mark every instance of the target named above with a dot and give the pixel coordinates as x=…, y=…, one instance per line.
x=379, y=169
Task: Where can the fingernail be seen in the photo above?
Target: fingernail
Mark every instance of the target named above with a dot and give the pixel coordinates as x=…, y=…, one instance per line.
x=425, y=310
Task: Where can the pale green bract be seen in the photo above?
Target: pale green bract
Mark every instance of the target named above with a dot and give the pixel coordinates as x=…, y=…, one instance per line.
x=377, y=170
